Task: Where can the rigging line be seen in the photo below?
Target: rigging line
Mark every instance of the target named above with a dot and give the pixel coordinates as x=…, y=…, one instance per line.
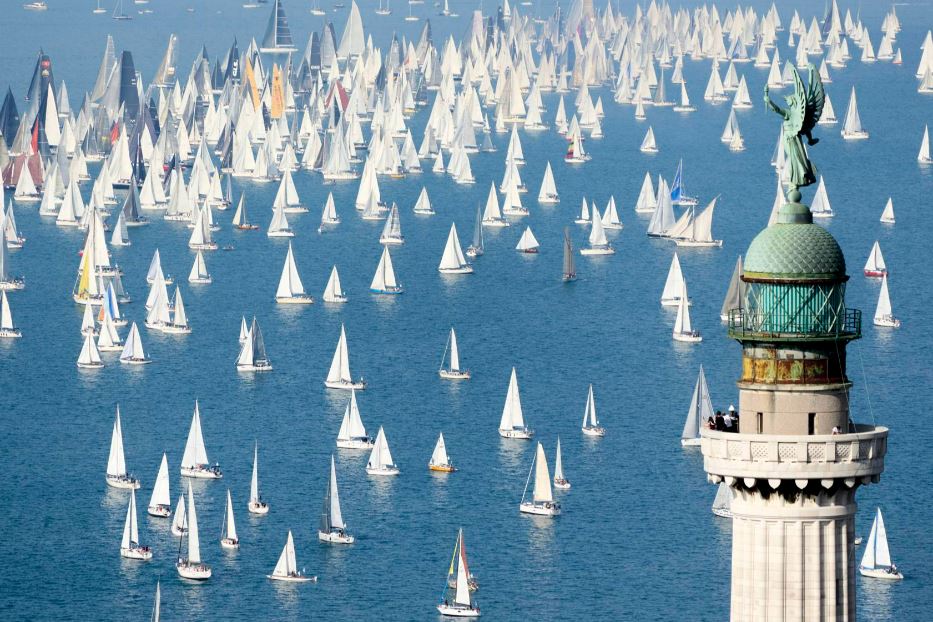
x=871, y=410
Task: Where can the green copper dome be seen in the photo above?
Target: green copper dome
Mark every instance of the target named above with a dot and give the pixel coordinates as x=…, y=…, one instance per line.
x=795, y=251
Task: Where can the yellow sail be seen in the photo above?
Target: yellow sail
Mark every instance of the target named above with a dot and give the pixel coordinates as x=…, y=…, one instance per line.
x=85, y=278
x=278, y=95
x=251, y=82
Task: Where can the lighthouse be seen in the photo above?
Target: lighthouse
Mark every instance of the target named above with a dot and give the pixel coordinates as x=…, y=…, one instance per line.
x=799, y=456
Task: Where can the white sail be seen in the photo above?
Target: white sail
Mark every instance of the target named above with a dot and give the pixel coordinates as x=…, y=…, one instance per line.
x=673, y=286
x=548, y=192
x=131, y=525
x=133, y=348
x=454, y=352
x=384, y=279
x=336, y=516
x=439, y=457
x=462, y=593
x=180, y=523
x=254, y=480
x=351, y=427
x=701, y=409
x=883, y=309
x=380, y=457
x=160, y=492
x=558, y=465
x=597, y=232
x=853, y=122
x=512, y=416
x=542, y=490
x=590, y=420
x=875, y=262
x=290, y=284
x=90, y=355
x=924, y=154
x=230, y=522
x=195, y=451
x=287, y=565
x=722, y=504
x=877, y=555
x=528, y=242
x=887, y=216
x=340, y=364
x=116, y=462
x=333, y=292
x=194, y=541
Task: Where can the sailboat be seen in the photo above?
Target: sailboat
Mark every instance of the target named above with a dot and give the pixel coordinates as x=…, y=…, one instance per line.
x=10, y=282
x=700, y=231
x=89, y=358
x=440, y=461
x=286, y=569
x=383, y=9
x=452, y=371
x=256, y=504
x=875, y=265
x=133, y=353
x=458, y=602
x=194, y=463
x=883, y=313
x=735, y=296
x=240, y=219
x=199, y=274
x=584, y=217
x=291, y=290
x=512, y=423
x=560, y=480
x=316, y=9
x=876, y=561
x=453, y=260
x=683, y=330
x=924, y=155
x=700, y=411
x=118, y=13
x=821, y=207
x=852, y=130
x=130, y=548
x=679, y=195
x=228, y=535
x=278, y=37
x=117, y=476
x=423, y=204
x=673, y=286
x=201, y=237
x=722, y=504
x=528, y=243
x=591, y=425
x=99, y=10
x=392, y=231
x=157, y=604
x=569, y=270
x=542, y=499
x=352, y=433
x=384, y=281
x=649, y=144
x=160, y=503
x=253, y=351
x=329, y=213
x=610, y=216
x=887, y=216
x=380, y=459
x=684, y=105
x=599, y=244
x=180, y=522
x=338, y=377
x=333, y=529
x=575, y=152
x=333, y=292
x=492, y=215
x=279, y=227
x=548, y=193
x=477, y=248
x=190, y=566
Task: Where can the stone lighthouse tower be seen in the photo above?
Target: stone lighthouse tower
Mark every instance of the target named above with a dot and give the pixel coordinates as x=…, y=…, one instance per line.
x=799, y=458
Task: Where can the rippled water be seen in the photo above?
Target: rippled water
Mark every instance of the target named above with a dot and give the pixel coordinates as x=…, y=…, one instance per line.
x=636, y=540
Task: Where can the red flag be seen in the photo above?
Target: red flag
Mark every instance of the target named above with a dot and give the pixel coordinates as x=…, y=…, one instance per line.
x=35, y=136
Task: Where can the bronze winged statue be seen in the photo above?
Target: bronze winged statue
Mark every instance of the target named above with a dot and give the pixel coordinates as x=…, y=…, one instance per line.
x=804, y=109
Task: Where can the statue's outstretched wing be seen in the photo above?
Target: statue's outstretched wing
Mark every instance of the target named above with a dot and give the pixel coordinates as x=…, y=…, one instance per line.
x=797, y=110
x=816, y=97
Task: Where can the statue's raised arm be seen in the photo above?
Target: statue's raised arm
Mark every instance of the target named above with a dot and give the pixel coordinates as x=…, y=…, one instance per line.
x=770, y=104
x=803, y=110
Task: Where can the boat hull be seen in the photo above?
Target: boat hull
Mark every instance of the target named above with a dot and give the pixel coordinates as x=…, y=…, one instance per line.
x=888, y=321
x=383, y=471
x=258, y=508
x=442, y=468
x=259, y=367
x=854, y=135
x=458, y=611
x=519, y=433
x=194, y=572
x=596, y=431
x=202, y=471
x=390, y=291
x=162, y=511
x=139, y=553
x=598, y=251
x=301, y=299
x=451, y=374
x=540, y=509
x=281, y=234
x=722, y=513
x=880, y=573
x=335, y=299
x=876, y=273
x=501, y=222
x=689, y=442
x=90, y=365
x=123, y=482
x=355, y=443
x=201, y=281
x=698, y=244
x=291, y=578
x=687, y=337
x=229, y=543
x=460, y=270
x=335, y=537
x=345, y=384
x=561, y=484
x=135, y=361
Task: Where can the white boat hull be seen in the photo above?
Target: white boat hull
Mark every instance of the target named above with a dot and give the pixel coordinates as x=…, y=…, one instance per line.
x=124, y=482
x=880, y=573
x=202, y=471
x=562, y=484
x=179, y=531
x=458, y=611
x=687, y=337
x=854, y=135
x=296, y=578
x=195, y=572
x=201, y=281
x=698, y=244
x=281, y=234
x=162, y=511
x=452, y=374
x=302, y=299
x=385, y=471
x=540, y=509
x=355, y=443
x=722, y=513
x=519, y=433
x=345, y=384
x=594, y=431
x=598, y=251
x=135, y=361
x=259, y=367
x=461, y=270
x=229, y=543
x=497, y=223
x=335, y=537
x=258, y=507
x=90, y=365
x=888, y=321
x=335, y=299
x=139, y=553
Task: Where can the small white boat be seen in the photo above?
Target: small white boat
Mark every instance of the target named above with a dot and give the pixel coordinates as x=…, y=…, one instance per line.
x=279, y=227
x=160, y=503
x=256, y=504
x=133, y=353
x=392, y=231
x=852, y=130
x=599, y=243
x=542, y=499
x=384, y=281
x=228, y=535
x=459, y=603
x=924, y=154
x=338, y=377
x=649, y=144
x=528, y=243
x=700, y=411
x=591, y=426
x=478, y=247
x=440, y=461
x=673, y=286
x=194, y=462
x=512, y=423
x=453, y=261
x=89, y=358
x=291, y=290
x=333, y=529
x=722, y=504
x=887, y=216
x=329, y=213
x=240, y=219
x=423, y=204
x=584, y=217
x=287, y=567
x=875, y=265
x=492, y=215
x=8, y=330
x=253, y=355
x=876, y=561
x=190, y=566
x=352, y=433
x=548, y=193
x=117, y=476
x=560, y=480
x=201, y=237
x=199, y=274
x=380, y=459
x=610, y=218
x=883, y=314
x=683, y=329
x=130, y=547
x=180, y=522
x=452, y=371
x=333, y=292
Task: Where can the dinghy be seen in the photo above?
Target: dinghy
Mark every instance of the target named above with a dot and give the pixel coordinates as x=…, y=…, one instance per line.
x=133, y=353
x=89, y=358
x=458, y=602
x=591, y=425
x=338, y=377
x=160, y=503
x=287, y=567
x=569, y=270
x=876, y=561
x=477, y=248
x=440, y=461
x=453, y=261
x=333, y=529
x=887, y=216
x=240, y=220
x=256, y=504
x=130, y=548
x=852, y=130
x=700, y=411
x=722, y=504
x=190, y=565
x=194, y=462
x=384, y=281
x=452, y=371
x=228, y=534
x=291, y=290
x=199, y=274
x=599, y=244
x=333, y=292
x=380, y=459
x=117, y=476
x=560, y=481
x=253, y=351
x=352, y=433
x=512, y=423
x=875, y=265
x=883, y=314
x=542, y=499
x=683, y=330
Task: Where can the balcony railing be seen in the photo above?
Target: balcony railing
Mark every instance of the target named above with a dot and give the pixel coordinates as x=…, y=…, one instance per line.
x=780, y=325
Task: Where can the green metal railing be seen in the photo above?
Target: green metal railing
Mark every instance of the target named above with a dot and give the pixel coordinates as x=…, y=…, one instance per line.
x=780, y=325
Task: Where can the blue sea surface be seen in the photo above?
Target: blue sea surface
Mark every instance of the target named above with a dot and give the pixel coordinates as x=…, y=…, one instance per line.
x=636, y=540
